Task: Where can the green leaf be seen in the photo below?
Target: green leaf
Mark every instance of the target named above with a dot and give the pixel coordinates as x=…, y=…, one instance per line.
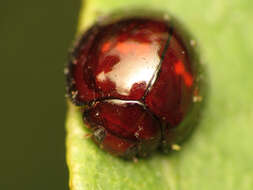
x=219, y=154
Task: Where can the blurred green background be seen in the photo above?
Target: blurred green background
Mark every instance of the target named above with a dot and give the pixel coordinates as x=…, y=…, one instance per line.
x=34, y=40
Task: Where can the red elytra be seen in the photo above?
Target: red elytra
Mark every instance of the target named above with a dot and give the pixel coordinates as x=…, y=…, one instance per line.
x=137, y=81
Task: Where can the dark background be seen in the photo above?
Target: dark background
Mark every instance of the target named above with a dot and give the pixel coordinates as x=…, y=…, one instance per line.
x=34, y=40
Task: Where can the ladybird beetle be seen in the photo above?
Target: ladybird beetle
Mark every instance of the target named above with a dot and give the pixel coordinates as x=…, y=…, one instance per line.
x=134, y=80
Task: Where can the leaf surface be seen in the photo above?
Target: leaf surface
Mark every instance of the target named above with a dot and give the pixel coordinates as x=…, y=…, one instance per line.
x=219, y=154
